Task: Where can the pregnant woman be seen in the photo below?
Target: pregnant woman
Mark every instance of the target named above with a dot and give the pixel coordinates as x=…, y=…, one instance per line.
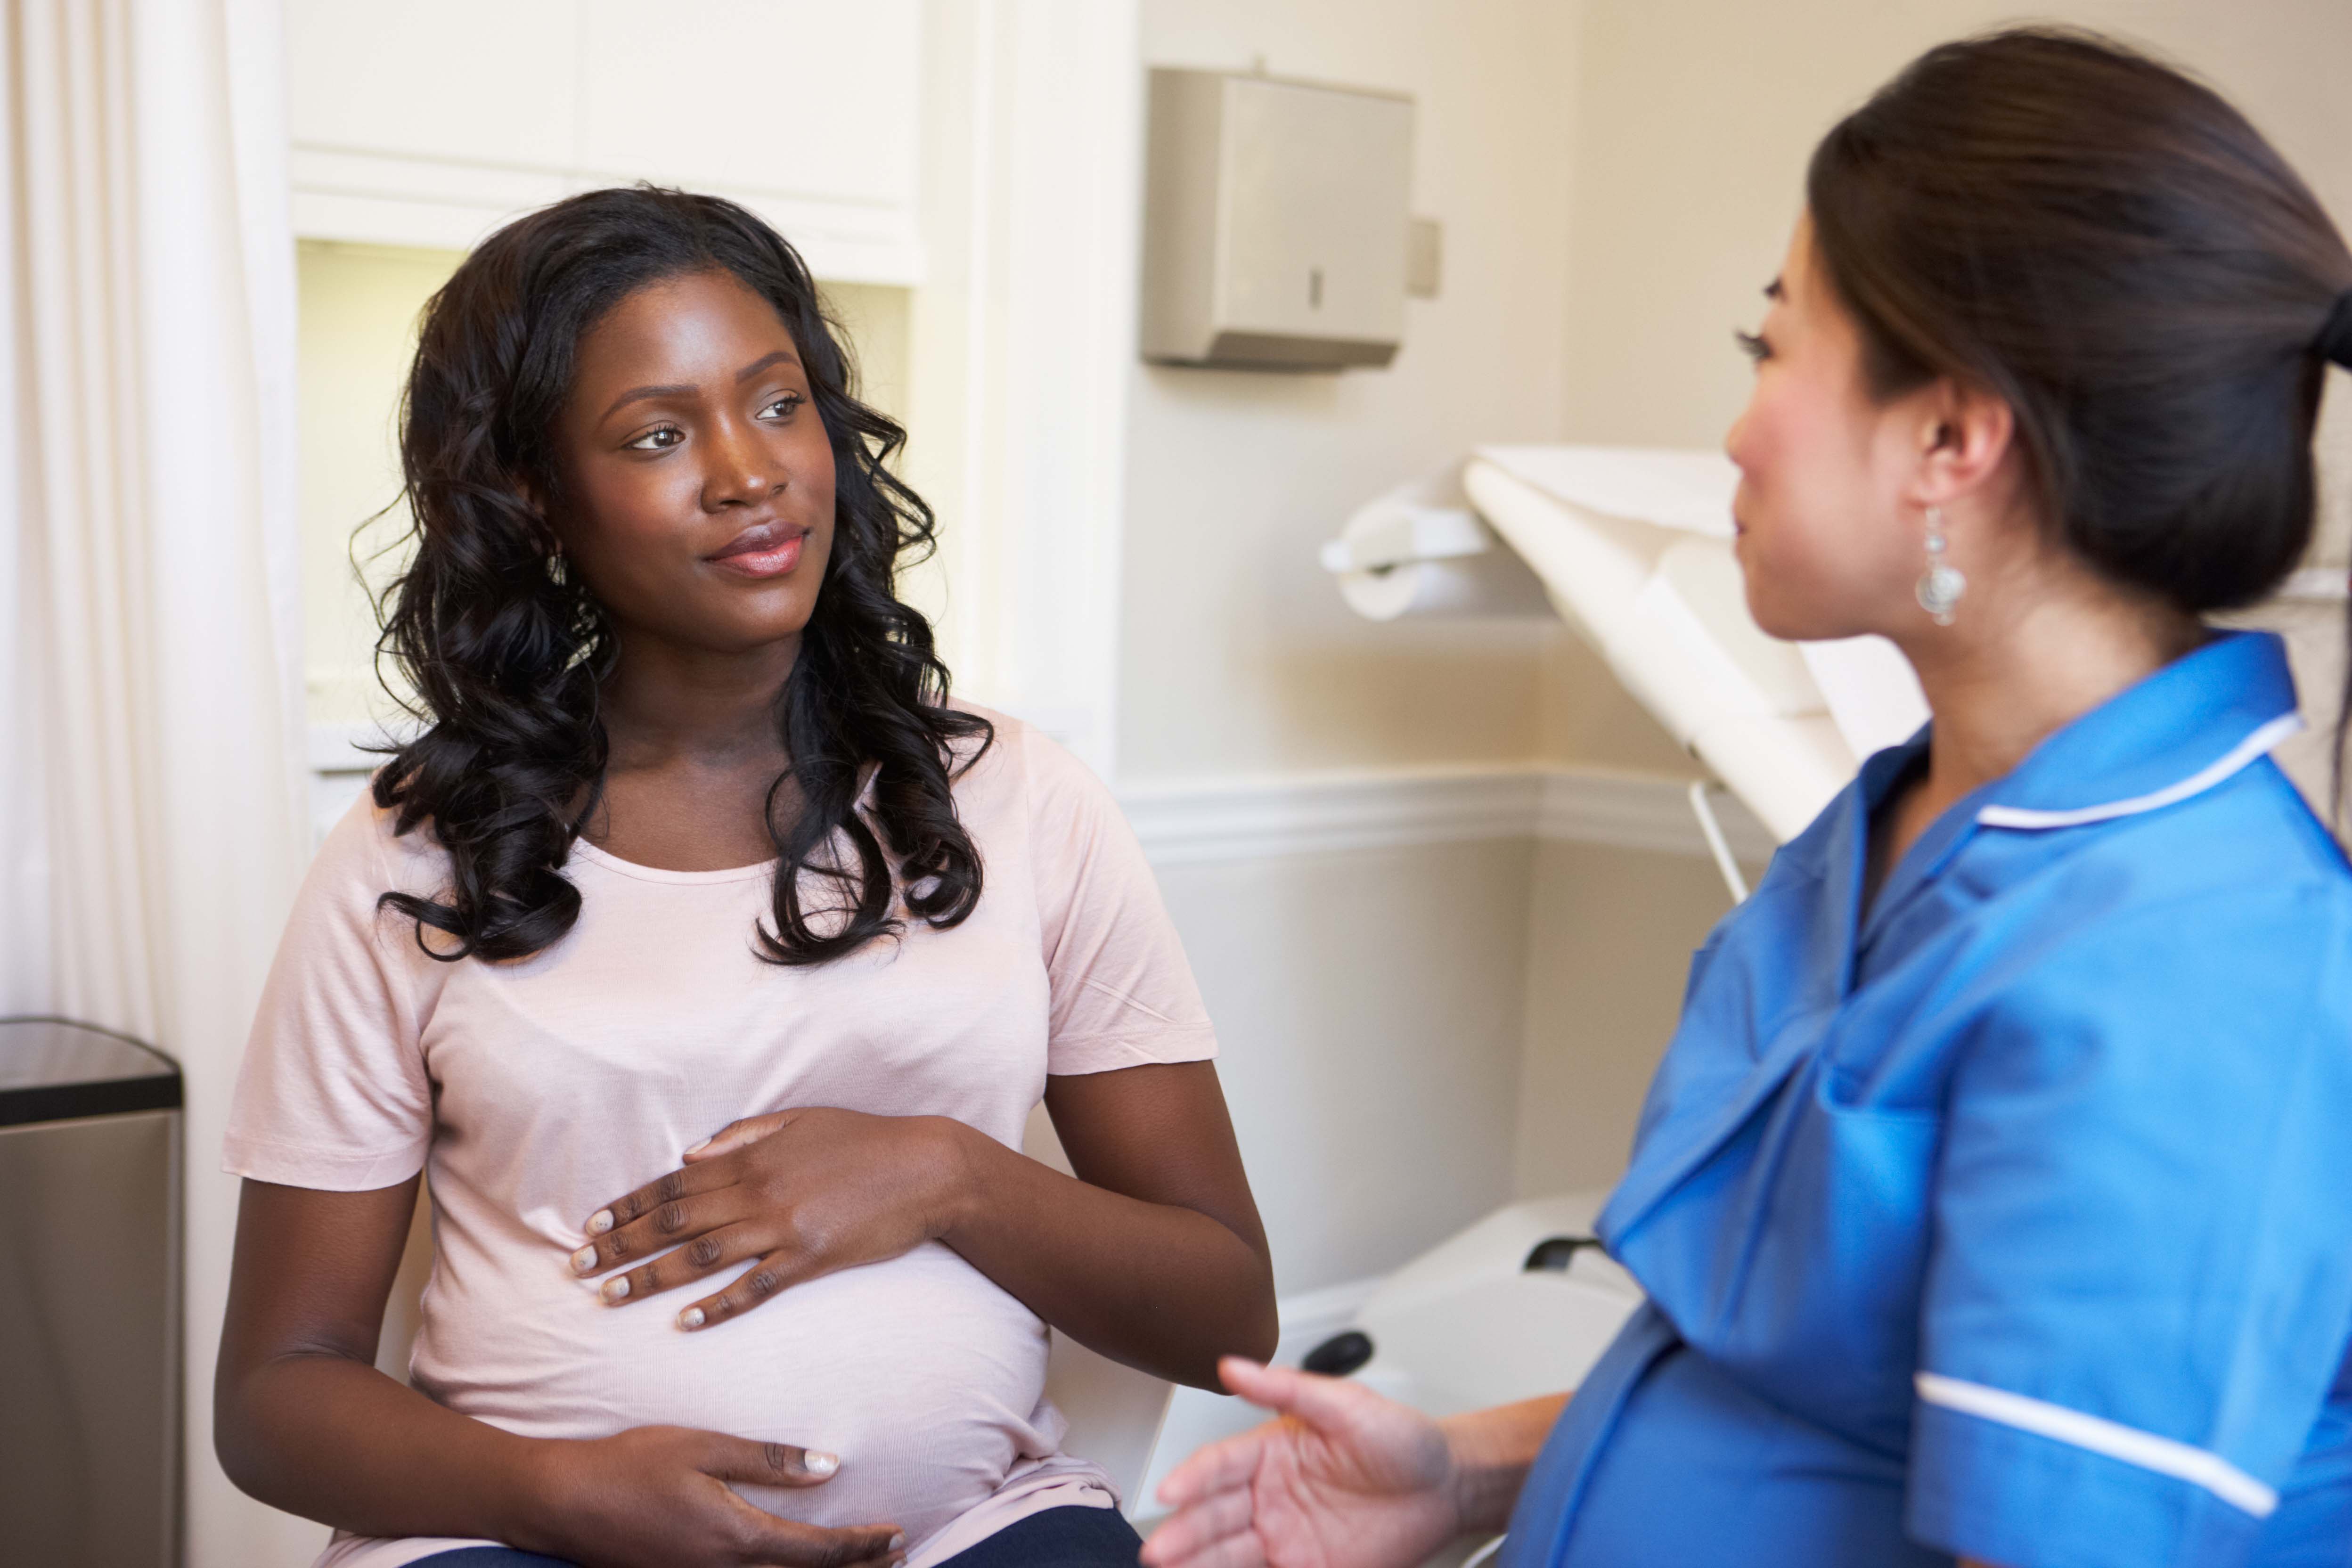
x=1994, y=1198
x=711, y=962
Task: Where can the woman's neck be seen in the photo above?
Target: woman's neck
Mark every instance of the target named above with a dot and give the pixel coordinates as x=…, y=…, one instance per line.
x=695, y=755
x=665, y=702
x=2029, y=655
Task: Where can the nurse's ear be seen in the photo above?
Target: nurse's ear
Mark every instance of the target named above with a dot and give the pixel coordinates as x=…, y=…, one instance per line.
x=1966, y=442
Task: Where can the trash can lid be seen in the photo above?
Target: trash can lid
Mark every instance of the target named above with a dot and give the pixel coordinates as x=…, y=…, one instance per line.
x=54, y=1070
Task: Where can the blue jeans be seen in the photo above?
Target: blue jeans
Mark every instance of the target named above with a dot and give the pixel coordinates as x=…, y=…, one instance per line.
x=1057, y=1538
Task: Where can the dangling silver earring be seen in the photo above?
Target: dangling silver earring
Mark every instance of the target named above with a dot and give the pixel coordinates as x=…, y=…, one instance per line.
x=1942, y=583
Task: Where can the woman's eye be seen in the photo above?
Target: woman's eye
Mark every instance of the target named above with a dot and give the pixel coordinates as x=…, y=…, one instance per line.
x=781, y=408
x=661, y=439
x=1752, y=345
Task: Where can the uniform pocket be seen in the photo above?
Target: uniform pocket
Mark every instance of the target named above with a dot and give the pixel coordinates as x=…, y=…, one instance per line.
x=1827, y=1319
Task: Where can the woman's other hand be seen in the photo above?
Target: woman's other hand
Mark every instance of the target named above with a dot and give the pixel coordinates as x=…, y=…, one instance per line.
x=1344, y=1479
x=805, y=1193
x=663, y=1497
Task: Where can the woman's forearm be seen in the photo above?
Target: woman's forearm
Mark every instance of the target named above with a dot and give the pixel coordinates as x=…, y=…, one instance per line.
x=303, y=1419
x=332, y=1438
x=1157, y=1286
x=1493, y=1450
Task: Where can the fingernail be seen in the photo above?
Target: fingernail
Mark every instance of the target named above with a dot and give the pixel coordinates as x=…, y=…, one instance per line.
x=820, y=1464
x=583, y=1260
x=692, y=1319
x=616, y=1287
x=698, y=1148
x=600, y=1221
x=896, y=1543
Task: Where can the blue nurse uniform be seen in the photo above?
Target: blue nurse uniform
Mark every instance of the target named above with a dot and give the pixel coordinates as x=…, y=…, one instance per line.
x=2011, y=1216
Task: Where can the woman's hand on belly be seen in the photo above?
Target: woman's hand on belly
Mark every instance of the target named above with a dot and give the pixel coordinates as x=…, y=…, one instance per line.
x=805, y=1193
x=1149, y=1253
x=661, y=1496
x=303, y=1420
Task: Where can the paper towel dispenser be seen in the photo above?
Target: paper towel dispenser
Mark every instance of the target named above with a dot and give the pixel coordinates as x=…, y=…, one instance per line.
x=1276, y=221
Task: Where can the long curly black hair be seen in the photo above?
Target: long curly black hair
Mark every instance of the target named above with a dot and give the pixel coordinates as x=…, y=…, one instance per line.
x=506, y=651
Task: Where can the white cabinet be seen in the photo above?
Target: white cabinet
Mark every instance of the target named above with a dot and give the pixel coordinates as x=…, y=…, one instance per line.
x=430, y=121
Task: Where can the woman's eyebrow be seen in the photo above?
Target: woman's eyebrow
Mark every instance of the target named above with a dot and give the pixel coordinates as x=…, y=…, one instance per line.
x=781, y=356
x=633, y=393
x=684, y=389
x=1773, y=291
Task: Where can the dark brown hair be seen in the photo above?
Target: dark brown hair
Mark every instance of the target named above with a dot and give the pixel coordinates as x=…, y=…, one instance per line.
x=506, y=650
x=2119, y=255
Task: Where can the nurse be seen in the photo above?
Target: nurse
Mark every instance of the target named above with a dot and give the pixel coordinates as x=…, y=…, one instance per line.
x=1994, y=1198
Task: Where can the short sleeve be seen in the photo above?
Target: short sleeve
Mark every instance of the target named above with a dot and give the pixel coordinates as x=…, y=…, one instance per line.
x=2140, y=1282
x=1122, y=994
x=333, y=1093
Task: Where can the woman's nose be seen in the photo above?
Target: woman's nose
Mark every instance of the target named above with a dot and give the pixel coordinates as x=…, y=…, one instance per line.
x=742, y=470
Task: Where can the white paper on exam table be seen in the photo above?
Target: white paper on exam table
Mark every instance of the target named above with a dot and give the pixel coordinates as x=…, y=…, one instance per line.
x=1662, y=486
x=1866, y=685
x=1422, y=550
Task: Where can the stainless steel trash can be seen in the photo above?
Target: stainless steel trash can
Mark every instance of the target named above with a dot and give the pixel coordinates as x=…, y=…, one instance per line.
x=90, y=1299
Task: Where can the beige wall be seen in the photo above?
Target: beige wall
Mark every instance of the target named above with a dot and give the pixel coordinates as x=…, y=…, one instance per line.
x=1610, y=937
x=1695, y=119
x=1368, y=1011
x=359, y=306
x=873, y=317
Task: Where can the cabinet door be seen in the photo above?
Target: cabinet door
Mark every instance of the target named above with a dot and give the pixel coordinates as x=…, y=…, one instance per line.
x=807, y=99
x=429, y=122
x=454, y=80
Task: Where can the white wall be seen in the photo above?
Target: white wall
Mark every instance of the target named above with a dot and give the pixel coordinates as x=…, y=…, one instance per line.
x=1019, y=343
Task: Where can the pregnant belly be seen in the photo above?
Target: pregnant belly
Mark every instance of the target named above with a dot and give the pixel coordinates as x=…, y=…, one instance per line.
x=920, y=1373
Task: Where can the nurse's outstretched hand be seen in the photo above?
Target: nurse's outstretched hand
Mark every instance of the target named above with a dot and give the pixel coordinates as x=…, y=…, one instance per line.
x=1345, y=1479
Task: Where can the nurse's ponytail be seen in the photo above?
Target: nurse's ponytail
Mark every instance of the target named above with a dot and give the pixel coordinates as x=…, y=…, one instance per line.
x=2335, y=337
x=2117, y=254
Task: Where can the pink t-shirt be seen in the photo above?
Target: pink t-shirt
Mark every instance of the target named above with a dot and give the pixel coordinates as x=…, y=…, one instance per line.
x=531, y=1092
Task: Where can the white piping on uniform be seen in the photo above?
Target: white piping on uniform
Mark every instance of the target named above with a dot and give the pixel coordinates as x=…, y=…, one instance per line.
x=2199, y=1466
x=2238, y=756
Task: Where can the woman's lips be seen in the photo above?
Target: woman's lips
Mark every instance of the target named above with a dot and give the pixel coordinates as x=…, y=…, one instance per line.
x=769, y=550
